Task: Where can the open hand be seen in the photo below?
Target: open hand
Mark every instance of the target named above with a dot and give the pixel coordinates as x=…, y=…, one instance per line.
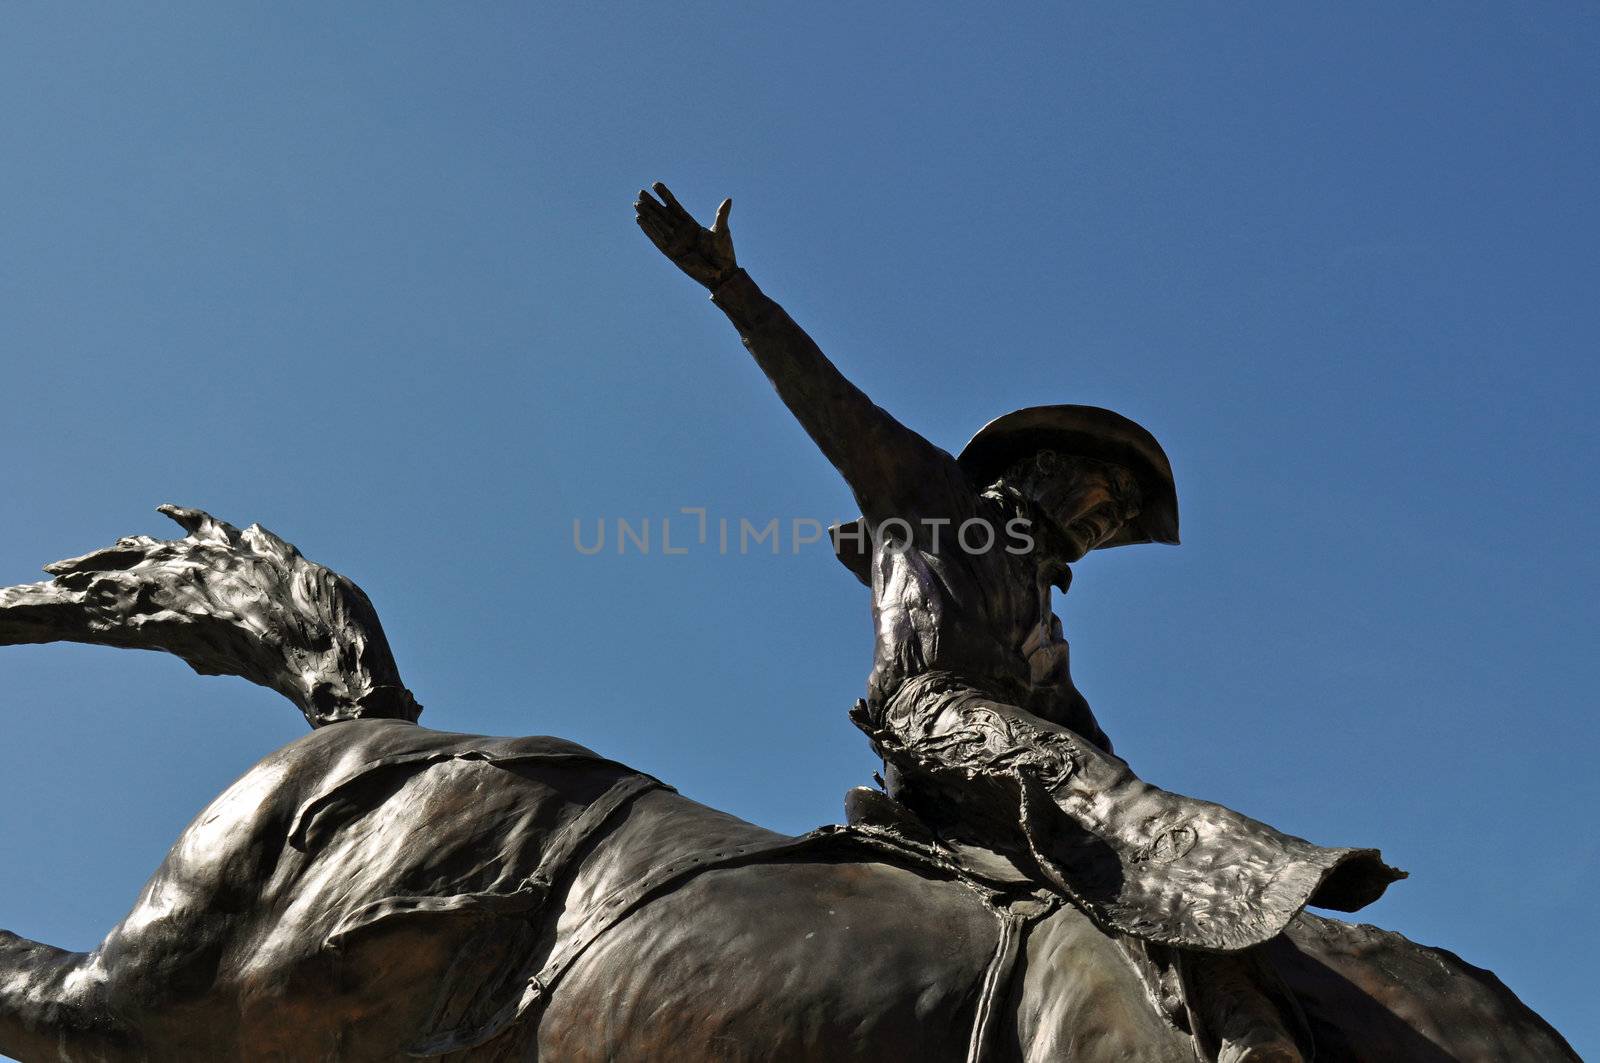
x=704, y=254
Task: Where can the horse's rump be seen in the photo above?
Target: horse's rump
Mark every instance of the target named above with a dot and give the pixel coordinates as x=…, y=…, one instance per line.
x=1373, y=995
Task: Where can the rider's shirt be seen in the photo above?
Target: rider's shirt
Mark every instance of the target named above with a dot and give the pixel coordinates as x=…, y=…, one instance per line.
x=970, y=597
x=983, y=614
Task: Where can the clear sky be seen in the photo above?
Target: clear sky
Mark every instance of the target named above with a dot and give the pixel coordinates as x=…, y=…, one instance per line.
x=368, y=274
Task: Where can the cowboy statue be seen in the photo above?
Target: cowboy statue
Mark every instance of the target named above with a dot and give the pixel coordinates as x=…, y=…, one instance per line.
x=379, y=890
x=970, y=701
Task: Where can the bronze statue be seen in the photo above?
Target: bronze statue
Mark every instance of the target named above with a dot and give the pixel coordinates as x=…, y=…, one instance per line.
x=971, y=700
x=379, y=890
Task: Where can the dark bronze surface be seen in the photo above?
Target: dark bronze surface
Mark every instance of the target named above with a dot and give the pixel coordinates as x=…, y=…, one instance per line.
x=971, y=699
x=378, y=890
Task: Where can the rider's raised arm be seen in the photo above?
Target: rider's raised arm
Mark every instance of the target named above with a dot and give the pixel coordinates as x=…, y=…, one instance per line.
x=893, y=471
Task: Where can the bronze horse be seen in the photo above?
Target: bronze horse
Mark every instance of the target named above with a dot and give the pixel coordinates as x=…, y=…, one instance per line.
x=378, y=890
x=265, y=935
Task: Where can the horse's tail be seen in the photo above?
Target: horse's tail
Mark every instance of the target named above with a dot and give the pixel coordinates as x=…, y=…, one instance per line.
x=228, y=602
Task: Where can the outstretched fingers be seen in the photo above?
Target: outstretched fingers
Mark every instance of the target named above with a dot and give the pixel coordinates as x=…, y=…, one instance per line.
x=672, y=206
x=652, y=228
x=651, y=217
x=706, y=256
x=645, y=207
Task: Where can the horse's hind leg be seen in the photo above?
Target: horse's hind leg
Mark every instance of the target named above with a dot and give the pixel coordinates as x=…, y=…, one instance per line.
x=52, y=1005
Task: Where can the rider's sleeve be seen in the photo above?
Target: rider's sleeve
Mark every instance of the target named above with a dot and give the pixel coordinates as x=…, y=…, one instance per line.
x=893, y=471
x=1140, y=860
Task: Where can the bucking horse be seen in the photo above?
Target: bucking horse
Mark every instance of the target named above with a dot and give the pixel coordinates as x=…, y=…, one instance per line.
x=378, y=890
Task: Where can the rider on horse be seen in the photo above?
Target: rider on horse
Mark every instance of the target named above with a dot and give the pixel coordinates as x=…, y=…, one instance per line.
x=970, y=700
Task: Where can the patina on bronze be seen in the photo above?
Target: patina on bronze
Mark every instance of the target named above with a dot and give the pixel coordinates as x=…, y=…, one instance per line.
x=379, y=890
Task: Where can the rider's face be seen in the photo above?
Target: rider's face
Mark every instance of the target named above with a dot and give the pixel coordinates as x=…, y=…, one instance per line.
x=1085, y=516
x=1086, y=502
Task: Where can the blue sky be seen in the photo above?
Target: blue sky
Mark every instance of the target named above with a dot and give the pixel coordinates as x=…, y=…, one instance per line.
x=369, y=276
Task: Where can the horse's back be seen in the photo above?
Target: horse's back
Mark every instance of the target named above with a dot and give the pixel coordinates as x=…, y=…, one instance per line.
x=832, y=951
x=810, y=956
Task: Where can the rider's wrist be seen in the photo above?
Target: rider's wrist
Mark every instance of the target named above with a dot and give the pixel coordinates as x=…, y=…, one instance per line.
x=723, y=279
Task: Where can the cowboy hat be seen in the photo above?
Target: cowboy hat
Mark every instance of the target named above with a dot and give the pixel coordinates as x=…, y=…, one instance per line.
x=1081, y=431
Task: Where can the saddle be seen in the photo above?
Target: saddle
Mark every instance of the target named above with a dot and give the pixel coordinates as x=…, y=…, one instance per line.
x=880, y=820
x=1167, y=973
